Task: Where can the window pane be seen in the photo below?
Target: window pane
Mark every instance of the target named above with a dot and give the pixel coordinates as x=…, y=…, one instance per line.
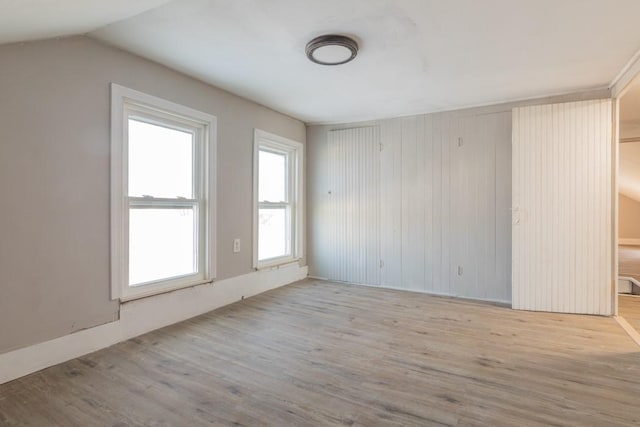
x=273, y=234
x=160, y=161
x=161, y=244
x=271, y=179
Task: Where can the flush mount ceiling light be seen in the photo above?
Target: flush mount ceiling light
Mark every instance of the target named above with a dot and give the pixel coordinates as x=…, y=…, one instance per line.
x=331, y=49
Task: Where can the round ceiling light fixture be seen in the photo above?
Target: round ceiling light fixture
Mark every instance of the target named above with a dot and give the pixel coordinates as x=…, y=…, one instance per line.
x=331, y=49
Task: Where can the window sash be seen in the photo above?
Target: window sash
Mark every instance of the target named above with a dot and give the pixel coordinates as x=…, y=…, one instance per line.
x=199, y=238
x=288, y=179
x=198, y=132
x=284, y=204
x=289, y=251
x=162, y=202
x=196, y=248
x=275, y=205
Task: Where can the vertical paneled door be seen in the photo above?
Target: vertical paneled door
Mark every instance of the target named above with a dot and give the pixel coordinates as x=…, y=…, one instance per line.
x=419, y=203
x=354, y=204
x=562, y=208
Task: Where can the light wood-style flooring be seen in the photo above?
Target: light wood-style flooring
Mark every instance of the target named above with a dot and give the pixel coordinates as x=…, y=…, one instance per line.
x=629, y=308
x=318, y=353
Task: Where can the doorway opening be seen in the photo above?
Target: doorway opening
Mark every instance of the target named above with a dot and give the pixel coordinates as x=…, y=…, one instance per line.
x=629, y=204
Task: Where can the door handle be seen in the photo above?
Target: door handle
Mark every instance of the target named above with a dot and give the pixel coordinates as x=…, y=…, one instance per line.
x=515, y=214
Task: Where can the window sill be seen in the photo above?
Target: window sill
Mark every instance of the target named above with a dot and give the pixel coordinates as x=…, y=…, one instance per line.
x=279, y=263
x=145, y=293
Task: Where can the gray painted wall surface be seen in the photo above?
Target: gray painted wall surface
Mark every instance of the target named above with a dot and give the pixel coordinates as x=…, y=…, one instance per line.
x=54, y=178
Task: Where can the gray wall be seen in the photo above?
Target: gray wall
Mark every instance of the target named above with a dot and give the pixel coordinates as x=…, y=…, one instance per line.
x=54, y=178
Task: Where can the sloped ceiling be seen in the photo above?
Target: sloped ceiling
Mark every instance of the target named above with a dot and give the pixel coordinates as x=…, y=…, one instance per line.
x=416, y=55
x=22, y=20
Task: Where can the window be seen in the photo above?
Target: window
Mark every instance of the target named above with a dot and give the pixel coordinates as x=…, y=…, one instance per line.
x=163, y=159
x=277, y=200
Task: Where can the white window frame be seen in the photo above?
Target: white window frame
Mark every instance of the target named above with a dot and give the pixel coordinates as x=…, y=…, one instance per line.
x=126, y=103
x=295, y=183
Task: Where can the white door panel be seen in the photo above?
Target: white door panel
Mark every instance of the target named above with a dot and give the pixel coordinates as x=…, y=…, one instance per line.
x=354, y=204
x=562, y=207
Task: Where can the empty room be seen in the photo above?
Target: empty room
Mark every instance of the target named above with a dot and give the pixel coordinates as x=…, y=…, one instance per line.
x=319, y=213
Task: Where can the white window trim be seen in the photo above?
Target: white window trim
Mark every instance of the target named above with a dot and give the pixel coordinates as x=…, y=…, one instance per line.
x=123, y=100
x=263, y=138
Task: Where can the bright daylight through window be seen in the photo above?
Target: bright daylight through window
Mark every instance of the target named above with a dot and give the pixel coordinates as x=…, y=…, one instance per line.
x=278, y=164
x=163, y=198
x=163, y=236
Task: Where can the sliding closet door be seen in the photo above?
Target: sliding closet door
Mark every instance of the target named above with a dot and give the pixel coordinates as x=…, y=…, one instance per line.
x=354, y=204
x=562, y=207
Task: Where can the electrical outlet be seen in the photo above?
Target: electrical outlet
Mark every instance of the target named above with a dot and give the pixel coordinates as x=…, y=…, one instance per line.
x=236, y=245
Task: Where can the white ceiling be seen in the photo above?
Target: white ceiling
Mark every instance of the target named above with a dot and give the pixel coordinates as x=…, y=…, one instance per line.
x=22, y=20
x=416, y=55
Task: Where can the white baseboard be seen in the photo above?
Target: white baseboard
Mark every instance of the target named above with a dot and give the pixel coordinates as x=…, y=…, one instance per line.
x=420, y=291
x=144, y=315
x=24, y=361
x=630, y=242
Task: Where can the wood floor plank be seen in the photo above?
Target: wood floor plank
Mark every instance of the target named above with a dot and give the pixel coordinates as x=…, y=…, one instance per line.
x=320, y=353
x=629, y=308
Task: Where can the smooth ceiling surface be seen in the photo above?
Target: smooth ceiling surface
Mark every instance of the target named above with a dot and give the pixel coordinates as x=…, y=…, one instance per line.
x=416, y=55
x=22, y=20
